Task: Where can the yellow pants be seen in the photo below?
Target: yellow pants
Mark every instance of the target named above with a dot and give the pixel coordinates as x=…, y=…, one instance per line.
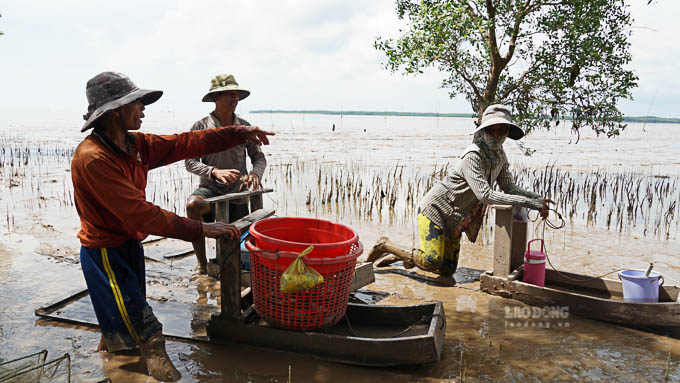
x=438, y=252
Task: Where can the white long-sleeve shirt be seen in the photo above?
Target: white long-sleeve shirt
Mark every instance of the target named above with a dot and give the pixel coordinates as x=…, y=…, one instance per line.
x=472, y=180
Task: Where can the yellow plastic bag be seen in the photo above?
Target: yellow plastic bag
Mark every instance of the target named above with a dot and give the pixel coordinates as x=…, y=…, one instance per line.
x=298, y=276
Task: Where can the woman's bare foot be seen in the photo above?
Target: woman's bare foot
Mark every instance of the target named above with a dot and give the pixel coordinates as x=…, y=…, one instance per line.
x=409, y=263
x=378, y=250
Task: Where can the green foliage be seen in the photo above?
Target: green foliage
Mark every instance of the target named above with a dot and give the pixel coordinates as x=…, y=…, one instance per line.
x=546, y=59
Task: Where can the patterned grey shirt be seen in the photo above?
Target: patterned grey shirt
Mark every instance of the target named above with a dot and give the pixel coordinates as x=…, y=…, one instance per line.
x=233, y=158
x=472, y=180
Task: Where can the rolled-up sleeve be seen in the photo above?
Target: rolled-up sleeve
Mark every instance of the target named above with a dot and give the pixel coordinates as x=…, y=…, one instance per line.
x=472, y=172
x=195, y=166
x=507, y=184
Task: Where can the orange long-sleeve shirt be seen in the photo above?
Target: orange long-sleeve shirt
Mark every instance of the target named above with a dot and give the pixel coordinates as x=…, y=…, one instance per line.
x=109, y=184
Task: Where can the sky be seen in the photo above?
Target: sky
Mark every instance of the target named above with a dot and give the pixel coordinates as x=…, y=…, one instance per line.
x=302, y=54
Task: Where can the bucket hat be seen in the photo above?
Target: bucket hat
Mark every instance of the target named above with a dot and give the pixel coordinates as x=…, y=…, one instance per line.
x=108, y=91
x=222, y=83
x=500, y=114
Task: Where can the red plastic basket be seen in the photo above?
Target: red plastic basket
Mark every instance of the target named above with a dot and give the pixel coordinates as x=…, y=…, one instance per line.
x=296, y=234
x=321, y=306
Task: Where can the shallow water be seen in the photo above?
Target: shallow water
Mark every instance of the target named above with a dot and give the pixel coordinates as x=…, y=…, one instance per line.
x=38, y=254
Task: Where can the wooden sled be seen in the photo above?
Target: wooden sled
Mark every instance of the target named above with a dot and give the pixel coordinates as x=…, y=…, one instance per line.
x=595, y=298
x=368, y=335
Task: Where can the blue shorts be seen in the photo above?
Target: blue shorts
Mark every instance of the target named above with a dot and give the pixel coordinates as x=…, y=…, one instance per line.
x=116, y=281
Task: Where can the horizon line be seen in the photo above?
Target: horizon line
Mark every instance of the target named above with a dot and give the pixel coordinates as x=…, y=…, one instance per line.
x=655, y=119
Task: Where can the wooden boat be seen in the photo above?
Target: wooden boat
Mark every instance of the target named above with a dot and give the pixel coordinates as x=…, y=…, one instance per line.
x=595, y=298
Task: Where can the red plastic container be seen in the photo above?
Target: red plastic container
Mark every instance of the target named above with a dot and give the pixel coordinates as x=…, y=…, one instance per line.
x=534, y=265
x=296, y=234
x=336, y=248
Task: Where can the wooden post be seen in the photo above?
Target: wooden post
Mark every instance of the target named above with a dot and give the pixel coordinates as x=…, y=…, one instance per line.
x=256, y=202
x=229, y=256
x=519, y=244
x=502, y=241
x=222, y=211
x=229, y=260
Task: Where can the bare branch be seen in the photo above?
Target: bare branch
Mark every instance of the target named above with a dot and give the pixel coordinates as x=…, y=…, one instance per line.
x=520, y=80
x=467, y=79
x=493, y=43
x=460, y=69
x=473, y=12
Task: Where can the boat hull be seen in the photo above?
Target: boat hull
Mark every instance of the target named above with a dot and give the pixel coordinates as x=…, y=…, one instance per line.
x=600, y=298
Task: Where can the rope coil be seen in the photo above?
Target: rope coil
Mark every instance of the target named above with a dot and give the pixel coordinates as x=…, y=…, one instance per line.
x=547, y=222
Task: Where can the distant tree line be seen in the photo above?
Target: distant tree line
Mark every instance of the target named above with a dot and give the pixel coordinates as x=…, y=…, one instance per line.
x=645, y=119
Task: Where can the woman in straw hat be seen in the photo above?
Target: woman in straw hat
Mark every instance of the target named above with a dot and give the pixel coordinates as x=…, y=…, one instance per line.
x=457, y=203
x=109, y=172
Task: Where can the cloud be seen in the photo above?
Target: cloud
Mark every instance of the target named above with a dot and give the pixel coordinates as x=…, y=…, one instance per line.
x=305, y=54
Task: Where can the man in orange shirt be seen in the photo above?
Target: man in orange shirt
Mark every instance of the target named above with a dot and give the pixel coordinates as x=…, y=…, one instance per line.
x=109, y=173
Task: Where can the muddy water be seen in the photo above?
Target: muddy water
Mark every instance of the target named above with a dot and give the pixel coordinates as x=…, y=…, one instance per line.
x=38, y=264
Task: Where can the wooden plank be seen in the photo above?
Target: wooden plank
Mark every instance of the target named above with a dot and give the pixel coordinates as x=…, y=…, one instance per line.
x=178, y=254
x=363, y=275
x=229, y=197
x=502, y=240
x=152, y=239
x=51, y=307
x=584, y=282
x=253, y=217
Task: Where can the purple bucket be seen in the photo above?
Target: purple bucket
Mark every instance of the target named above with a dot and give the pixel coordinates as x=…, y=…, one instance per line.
x=638, y=288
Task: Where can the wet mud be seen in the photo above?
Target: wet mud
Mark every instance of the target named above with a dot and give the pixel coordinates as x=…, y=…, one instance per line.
x=479, y=345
